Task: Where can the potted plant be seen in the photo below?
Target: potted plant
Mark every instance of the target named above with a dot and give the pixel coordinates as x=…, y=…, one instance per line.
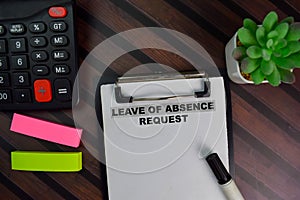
x=264, y=53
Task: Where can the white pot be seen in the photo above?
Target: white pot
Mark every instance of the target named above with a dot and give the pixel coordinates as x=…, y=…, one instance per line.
x=233, y=68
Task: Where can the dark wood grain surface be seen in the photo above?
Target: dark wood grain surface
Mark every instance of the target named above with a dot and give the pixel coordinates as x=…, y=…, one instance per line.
x=265, y=120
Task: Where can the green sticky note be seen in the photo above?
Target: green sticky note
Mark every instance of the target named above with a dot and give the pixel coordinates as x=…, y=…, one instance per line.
x=46, y=161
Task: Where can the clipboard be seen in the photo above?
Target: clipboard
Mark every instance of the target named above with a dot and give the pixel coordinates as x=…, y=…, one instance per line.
x=157, y=130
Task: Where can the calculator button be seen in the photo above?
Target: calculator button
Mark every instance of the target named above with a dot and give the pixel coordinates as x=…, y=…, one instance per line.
x=37, y=27
x=60, y=55
x=61, y=69
x=5, y=96
x=40, y=70
x=39, y=56
x=58, y=26
x=2, y=46
x=59, y=40
x=17, y=29
x=19, y=62
x=62, y=89
x=21, y=79
x=3, y=63
x=38, y=42
x=2, y=30
x=57, y=12
x=22, y=95
x=18, y=45
x=42, y=90
x=4, y=80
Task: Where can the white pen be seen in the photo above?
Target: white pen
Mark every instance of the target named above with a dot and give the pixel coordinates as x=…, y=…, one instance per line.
x=225, y=180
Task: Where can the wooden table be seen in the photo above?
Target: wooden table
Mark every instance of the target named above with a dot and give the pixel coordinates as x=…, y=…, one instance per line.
x=265, y=120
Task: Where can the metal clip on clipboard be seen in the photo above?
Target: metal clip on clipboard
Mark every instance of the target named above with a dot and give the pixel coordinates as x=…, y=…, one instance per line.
x=120, y=98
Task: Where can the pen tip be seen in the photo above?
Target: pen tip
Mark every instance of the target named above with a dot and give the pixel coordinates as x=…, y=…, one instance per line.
x=218, y=168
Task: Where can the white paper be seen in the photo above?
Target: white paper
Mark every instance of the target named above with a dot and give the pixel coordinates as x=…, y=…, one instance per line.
x=161, y=160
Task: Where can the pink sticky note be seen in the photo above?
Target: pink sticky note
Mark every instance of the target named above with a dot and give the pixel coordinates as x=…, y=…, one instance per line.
x=46, y=130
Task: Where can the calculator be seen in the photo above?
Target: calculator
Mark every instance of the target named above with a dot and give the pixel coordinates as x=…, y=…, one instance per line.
x=38, y=54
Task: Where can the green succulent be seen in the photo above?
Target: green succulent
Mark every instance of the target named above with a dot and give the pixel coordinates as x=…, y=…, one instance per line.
x=269, y=51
